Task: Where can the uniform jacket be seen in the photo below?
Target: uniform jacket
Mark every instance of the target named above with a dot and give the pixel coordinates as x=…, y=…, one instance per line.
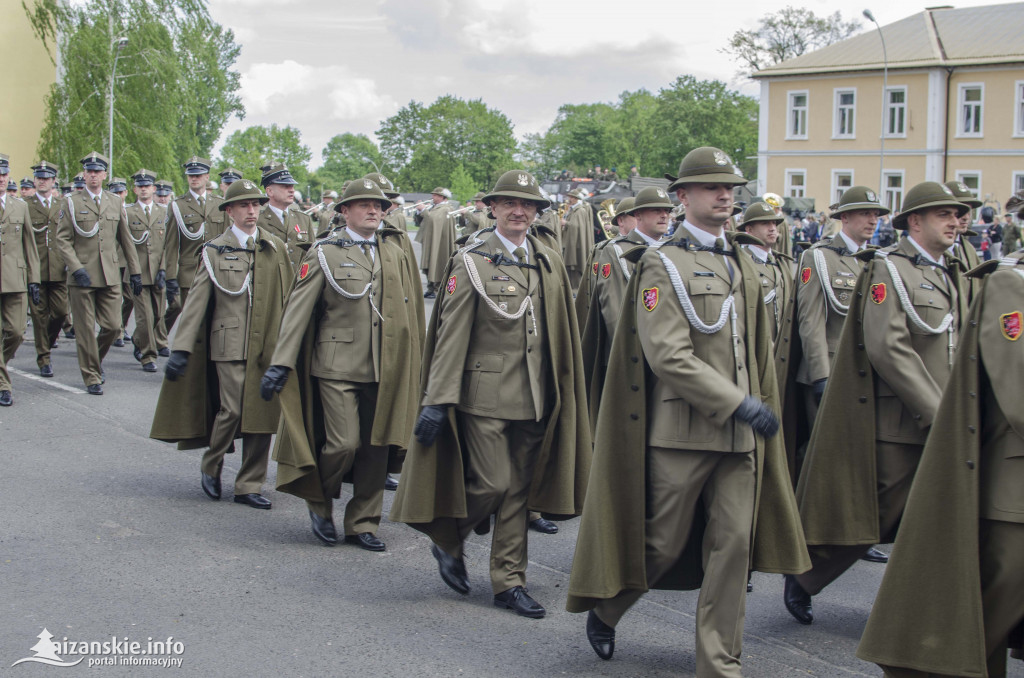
x=149, y=234
x=183, y=240
x=296, y=232
x=437, y=235
x=928, y=612
x=610, y=548
x=396, y=219
x=19, y=260
x=968, y=256
x=886, y=383
x=469, y=373
x=95, y=253
x=216, y=326
x=325, y=335
x=578, y=236
x=44, y=228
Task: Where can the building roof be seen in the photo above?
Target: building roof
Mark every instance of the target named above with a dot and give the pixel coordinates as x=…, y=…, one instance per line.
x=942, y=36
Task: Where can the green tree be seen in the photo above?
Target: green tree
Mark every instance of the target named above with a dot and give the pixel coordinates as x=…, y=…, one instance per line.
x=587, y=135
x=463, y=186
x=249, y=149
x=786, y=34
x=349, y=156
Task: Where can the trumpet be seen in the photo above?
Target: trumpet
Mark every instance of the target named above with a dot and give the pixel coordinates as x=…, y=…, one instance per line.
x=315, y=208
x=417, y=205
x=467, y=208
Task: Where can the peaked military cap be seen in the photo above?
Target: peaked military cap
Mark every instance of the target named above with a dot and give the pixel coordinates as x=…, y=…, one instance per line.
x=384, y=183
x=44, y=170
x=11, y=186
x=196, y=166
x=441, y=191
x=277, y=174
x=242, y=190
x=363, y=189
x=963, y=194
x=925, y=195
x=95, y=161
x=79, y=180
x=706, y=165
x=517, y=184
x=28, y=183
x=625, y=206
x=229, y=175
x=117, y=185
x=331, y=194
x=163, y=187
x=759, y=212
x=859, y=198
x=144, y=177
x=5, y=164
x=652, y=196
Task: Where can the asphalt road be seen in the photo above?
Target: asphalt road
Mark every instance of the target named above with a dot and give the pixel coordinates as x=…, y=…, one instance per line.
x=105, y=533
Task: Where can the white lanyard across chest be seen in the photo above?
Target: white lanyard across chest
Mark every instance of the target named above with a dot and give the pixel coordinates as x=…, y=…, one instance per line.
x=474, y=279
x=246, y=284
x=622, y=263
x=74, y=222
x=200, y=232
x=901, y=293
x=826, y=283
x=322, y=258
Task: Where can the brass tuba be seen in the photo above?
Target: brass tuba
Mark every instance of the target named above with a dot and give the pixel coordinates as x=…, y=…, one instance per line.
x=605, y=215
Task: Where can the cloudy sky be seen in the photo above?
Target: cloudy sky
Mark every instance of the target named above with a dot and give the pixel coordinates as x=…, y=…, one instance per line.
x=332, y=66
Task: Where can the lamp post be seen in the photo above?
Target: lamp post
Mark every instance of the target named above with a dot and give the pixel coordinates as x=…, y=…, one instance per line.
x=367, y=159
x=885, y=93
x=117, y=44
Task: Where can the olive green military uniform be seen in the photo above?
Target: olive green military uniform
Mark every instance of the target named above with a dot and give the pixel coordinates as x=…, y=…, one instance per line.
x=953, y=593
x=148, y=226
x=396, y=219
x=577, y=241
x=191, y=222
x=437, y=236
x=19, y=266
x=295, y=230
x=48, y=316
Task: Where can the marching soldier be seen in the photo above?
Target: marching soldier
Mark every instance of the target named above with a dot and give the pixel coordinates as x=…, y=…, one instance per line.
x=79, y=182
x=884, y=386
x=92, y=222
x=437, y=236
x=164, y=193
x=293, y=227
x=147, y=222
x=228, y=176
x=689, y=487
x=327, y=212
x=119, y=187
x=503, y=425
x=192, y=220
x=352, y=334
x=473, y=220
x=48, y=315
x=577, y=237
x=962, y=248
x=27, y=188
x=231, y=318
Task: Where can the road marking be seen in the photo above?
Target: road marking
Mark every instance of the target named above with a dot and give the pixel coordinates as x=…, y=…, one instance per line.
x=46, y=380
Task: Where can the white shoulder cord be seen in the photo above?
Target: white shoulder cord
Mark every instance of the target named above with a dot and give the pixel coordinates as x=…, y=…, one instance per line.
x=474, y=279
x=622, y=264
x=74, y=222
x=826, y=283
x=1019, y=272
x=246, y=284
x=337, y=288
x=901, y=292
x=144, y=238
x=181, y=224
x=728, y=308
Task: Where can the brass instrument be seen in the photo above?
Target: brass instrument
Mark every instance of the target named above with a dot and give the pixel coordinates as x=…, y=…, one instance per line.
x=605, y=216
x=562, y=209
x=773, y=199
x=315, y=208
x=467, y=208
x=417, y=205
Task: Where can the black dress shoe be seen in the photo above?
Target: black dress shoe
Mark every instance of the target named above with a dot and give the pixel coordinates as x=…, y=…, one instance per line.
x=69, y=333
x=390, y=484
x=875, y=556
x=119, y=342
x=520, y=602
x=453, y=570
x=94, y=389
x=46, y=371
x=797, y=601
x=54, y=344
x=6, y=399
x=127, y=337
x=429, y=295
x=137, y=353
x=253, y=500
x=544, y=525
x=323, y=529
x=750, y=582
x=103, y=376
x=211, y=486
x=601, y=636
x=164, y=352
x=149, y=367
x=365, y=540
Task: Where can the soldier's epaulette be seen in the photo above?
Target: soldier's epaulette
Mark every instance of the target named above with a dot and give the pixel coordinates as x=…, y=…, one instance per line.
x=742, y=238
x=691, y=246
x=633, y=254
x=866, y=254
x=499, y=259
x=983, y=269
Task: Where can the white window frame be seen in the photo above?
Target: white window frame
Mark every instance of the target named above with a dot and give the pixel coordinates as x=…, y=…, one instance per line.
x=960, y=117
x=1018, y=109
x=836, y=94
x=902, y=174
x=889, y=107
x=1017, y=182
x=836, y=192
x=789, y=112
x=961, y=174
x=790, y=173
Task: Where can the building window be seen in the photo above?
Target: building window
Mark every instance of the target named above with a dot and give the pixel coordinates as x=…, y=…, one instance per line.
x=971, y=104
x=841, y=181
x=1018, y=109
x=896, y=112
x=972, y=180
x=797, y=115
x=1018, y=182
x=893, y=182
x=796, y=183
x=846, y=103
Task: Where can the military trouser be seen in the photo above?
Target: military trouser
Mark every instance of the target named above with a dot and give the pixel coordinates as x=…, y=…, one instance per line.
x=5, y=378
x=91, y=306
x=349, y=408
x=226, y=426
x=174, y=310
x=13, y=316
x=127, y=305
x=896, y=465
x=148, y=318
x=48, y=318
x=725, y=483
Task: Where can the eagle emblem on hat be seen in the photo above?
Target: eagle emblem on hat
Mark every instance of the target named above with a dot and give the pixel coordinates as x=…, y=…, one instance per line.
x=721, y=158
x=367, y=183
x=248, y=185
x=765, y=207
x=650, y=297
x=878, y=293
x=962, y=187
x=661, y=194
x=523, y=180
x=870, y=195
x=1012, y=325
x=946, y=189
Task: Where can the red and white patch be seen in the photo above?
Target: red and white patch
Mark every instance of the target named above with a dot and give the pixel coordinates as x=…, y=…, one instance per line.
x=303, y=271
x=596, y=265
x=650, y=297
x=450, y=287
x=1012, y=325
x=805, y=275
x=297, y=229
x=878, y=293
x=606, y=270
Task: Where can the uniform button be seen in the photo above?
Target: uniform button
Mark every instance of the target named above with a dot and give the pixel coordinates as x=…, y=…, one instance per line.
x=860, y=347
x=862, y=373
x=708, y=286
x=862, y=399
x=635, y=359
x=635, y=387
x=634, y=416
x=917, y=416
x=972, y=394
x=971, y=429
x=529, y=349
x=374, y=323
x=970, y=464
x=478, y=364
x=529, y=331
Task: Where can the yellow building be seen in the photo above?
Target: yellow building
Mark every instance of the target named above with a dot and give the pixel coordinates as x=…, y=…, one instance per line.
x=30, y=73
x=954, y=109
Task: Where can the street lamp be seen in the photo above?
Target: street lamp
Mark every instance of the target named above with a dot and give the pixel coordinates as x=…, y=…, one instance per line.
x=119, y=43
x=885, y=93
x=367, y=159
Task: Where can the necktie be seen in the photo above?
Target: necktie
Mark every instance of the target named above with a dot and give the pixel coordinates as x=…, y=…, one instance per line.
x=97, y=199
x=146, y=210
x=520, y=254
x=250, y=244
x=367, y=251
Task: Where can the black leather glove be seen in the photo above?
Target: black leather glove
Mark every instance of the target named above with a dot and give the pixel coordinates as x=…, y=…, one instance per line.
x=758, y=415
x=176, y=365
x=428, y=425
x=172, y=290
x=273, y=381
x=33, y=292
x=81, y=278
x=819, y=390
x=135, y=280
x=161, y=279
